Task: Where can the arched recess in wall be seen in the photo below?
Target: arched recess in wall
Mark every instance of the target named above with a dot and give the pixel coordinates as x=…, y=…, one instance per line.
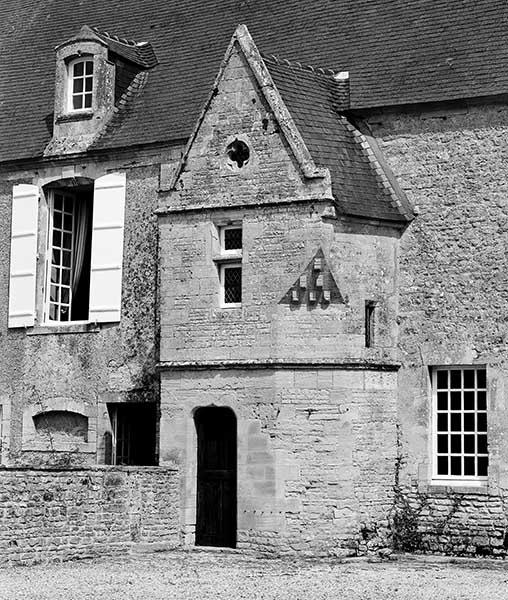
x=62, y=425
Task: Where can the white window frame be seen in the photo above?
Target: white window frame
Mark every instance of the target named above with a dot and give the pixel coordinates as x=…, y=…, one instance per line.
x=228, y=259
x=49, y=260
x=70, y=84
x=456, y=480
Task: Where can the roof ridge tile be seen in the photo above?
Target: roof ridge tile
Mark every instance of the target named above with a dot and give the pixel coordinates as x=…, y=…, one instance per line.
x=117, y=38
x=294, y=64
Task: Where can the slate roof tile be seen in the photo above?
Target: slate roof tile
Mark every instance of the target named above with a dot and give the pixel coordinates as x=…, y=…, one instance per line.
x=397, y=52
x=140, y=53
x=359, y=182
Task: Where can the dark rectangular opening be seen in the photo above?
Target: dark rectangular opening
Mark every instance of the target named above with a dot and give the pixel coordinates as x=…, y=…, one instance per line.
x=370, y=307
x=216, y=477
x=134, y=428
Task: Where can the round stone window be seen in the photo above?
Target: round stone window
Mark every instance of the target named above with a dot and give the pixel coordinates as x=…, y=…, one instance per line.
x=238, y=154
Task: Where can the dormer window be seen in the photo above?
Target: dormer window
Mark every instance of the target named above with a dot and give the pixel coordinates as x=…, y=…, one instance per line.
x=97, y=76
x=80, y=84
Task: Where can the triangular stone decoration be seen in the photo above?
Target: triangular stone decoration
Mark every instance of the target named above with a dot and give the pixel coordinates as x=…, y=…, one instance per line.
x=315, y=286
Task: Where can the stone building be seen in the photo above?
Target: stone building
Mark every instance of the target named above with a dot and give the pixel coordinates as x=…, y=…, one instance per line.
x=253, y=303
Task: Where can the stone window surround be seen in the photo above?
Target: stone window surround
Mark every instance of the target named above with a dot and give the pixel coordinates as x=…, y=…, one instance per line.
x=102, y=90
x=5, y=425
x=33, y=441
x=223, y=258
x=228, y=168
x=230, y=259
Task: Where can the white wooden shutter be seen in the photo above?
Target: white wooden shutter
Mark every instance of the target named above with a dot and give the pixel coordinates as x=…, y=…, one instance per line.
x=107, y=248
x=23, y=268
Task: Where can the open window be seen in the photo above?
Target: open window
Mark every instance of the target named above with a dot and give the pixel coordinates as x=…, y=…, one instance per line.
x=134, y=433
x=82, y=265
x=69, y=254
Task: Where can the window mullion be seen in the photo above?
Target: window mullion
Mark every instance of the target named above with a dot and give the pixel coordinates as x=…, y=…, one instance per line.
x=458, y=421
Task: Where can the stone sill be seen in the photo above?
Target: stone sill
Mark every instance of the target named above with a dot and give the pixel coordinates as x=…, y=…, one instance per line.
x=72, y=117
x=77, y=327
x=227, y=258
x=60, y=447
x=167, y=210
x=436, y=488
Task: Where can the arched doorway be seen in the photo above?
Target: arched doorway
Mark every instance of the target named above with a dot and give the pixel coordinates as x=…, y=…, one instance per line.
x=216, y=477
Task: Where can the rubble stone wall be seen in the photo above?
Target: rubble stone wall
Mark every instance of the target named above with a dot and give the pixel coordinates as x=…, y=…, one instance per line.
x=81, y=368
x=453, y=292
x=83, y=512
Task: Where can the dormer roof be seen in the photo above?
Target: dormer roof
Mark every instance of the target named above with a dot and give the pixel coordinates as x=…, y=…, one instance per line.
x=85, y=34
x=117, y=73
x=139, y=53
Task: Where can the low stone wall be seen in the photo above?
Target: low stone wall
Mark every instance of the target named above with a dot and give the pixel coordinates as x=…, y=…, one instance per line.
x=450, y=521
x=78, y=513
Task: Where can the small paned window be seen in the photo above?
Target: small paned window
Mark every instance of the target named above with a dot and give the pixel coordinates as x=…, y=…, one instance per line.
x=232, y=238
x=232, y=284
x=230, y=265
x=81, y=84
x=460, y=423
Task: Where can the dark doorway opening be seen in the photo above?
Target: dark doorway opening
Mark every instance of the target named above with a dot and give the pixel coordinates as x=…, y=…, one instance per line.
x=216, y=477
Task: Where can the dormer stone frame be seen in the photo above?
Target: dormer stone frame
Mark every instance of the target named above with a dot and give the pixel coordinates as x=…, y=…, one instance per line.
x=74, y=130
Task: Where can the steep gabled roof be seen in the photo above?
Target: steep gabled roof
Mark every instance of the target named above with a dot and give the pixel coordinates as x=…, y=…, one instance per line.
x=396, y=51
x=307, y=105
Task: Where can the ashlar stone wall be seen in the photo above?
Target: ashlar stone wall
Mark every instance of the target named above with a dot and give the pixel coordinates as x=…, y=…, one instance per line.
x=315, y=407
x=316, y=454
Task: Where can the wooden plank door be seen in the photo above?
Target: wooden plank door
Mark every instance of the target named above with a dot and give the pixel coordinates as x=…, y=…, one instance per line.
x=216, y=477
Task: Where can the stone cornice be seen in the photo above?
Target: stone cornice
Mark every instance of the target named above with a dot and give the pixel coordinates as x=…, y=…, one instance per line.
x=345, y=364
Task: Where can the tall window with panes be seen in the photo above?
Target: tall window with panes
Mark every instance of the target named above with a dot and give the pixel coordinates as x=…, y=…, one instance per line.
x=80, y=84
x=69, y=254
x=82, y=269
x=460, y=450
x=230, y=266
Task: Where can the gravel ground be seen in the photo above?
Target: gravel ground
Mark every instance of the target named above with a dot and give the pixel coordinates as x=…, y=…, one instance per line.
x=209, y=574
